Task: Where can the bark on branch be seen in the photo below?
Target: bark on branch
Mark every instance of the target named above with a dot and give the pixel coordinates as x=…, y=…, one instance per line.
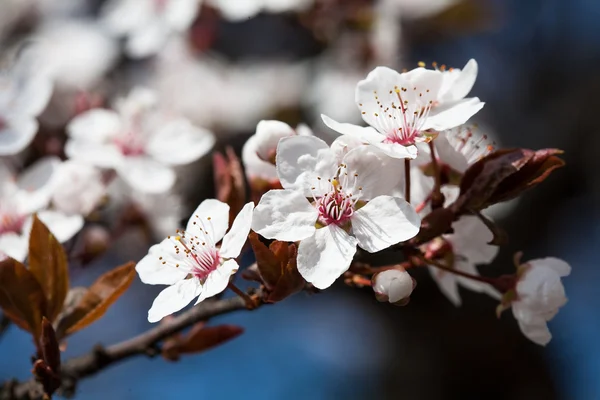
x=100, y=357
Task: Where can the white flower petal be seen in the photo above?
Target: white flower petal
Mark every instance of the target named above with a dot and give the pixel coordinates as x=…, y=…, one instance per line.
x=301, y=159
x=463, y=83
x=534, y=327
x=471, y=239
x=147, y=40
x=395, y=284
x=284, y=215
x=364, y=133
x=234, y=240
x=154, y=270
x=17, y=135
x=62, y=226
x=174, y=298
x=14, y=245
x=218, y=280
x=384, y=221
x=180, y=14
x=376, y=173
x=254, y=166
x=450, y=115
x=95, y=126
x=179, y=142
x=396, y=150
x=212, y=215
x=447, y=283
x=146, y=175
x=35, y=185
x=97, y=154
x=556, y=264
x=325, y=256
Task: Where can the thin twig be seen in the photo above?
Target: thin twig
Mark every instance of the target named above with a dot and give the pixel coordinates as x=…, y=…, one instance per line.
x=4, y=324
x=100, y=358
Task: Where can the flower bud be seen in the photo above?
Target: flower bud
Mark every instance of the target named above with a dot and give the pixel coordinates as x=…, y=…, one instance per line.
x=393, y=285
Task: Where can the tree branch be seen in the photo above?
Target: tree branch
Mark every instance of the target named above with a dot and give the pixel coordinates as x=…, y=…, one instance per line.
x=100, y=358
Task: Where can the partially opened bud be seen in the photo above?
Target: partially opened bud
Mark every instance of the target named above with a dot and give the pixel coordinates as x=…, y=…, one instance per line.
x=393, y=285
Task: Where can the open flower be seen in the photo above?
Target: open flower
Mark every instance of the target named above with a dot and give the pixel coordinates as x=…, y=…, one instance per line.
x=191, y=262
x=401, y=108
x=148, y=24
x=20, y=198
x=467, y=247
x=258, y=154
x=138, y=141
x=540, y=293
x=348, y=206
x=24, y=93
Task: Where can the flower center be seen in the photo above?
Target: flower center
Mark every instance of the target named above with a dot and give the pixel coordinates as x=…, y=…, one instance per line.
x=196, y=254
x=337, y=203
x=402, y=122
x=130, y=144
x=335, y=208
x=10, y=222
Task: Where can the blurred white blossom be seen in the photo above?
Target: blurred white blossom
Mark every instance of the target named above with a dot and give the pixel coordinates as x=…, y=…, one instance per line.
x=139, y=140
x=539, y=295
x=77, y=188
x=468, y=247
x=148, y=24
x=24, y=195
x=24, y=93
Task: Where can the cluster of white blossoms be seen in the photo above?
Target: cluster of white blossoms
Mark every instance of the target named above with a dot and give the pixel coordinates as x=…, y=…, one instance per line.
x=333, y=199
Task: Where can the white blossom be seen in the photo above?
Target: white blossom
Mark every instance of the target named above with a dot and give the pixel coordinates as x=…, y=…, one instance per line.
x=24, y=93
x=191, y=262
x=348, y=208
x=76, y=53
x=469, y=247
x=540, y=293
x=77, y=188
x=258, y=153
x=24, y=195
x=138, y=140
x=236, y=10
x=148, y=24
x=393, y=285
x=400, y=108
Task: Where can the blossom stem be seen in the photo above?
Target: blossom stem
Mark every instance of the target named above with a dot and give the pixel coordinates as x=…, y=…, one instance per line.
x=436, y=195
x=250, y=303
x=407, y=179
x=439, y=265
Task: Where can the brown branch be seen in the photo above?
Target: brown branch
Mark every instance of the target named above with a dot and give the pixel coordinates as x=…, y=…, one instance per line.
x=100, y=358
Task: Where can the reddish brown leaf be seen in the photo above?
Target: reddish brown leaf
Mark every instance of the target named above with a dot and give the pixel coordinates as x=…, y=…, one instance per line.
x=533, y=173
x=268, y=265
x=436, y=223
x=199, y=339
x=276, y=266
x=290, y=282
x=229, y=181
x=48, y=263
x=99, y=297
x=21, y=297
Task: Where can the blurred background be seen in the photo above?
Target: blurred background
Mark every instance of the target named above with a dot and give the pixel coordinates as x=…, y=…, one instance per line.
x=240, y=61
